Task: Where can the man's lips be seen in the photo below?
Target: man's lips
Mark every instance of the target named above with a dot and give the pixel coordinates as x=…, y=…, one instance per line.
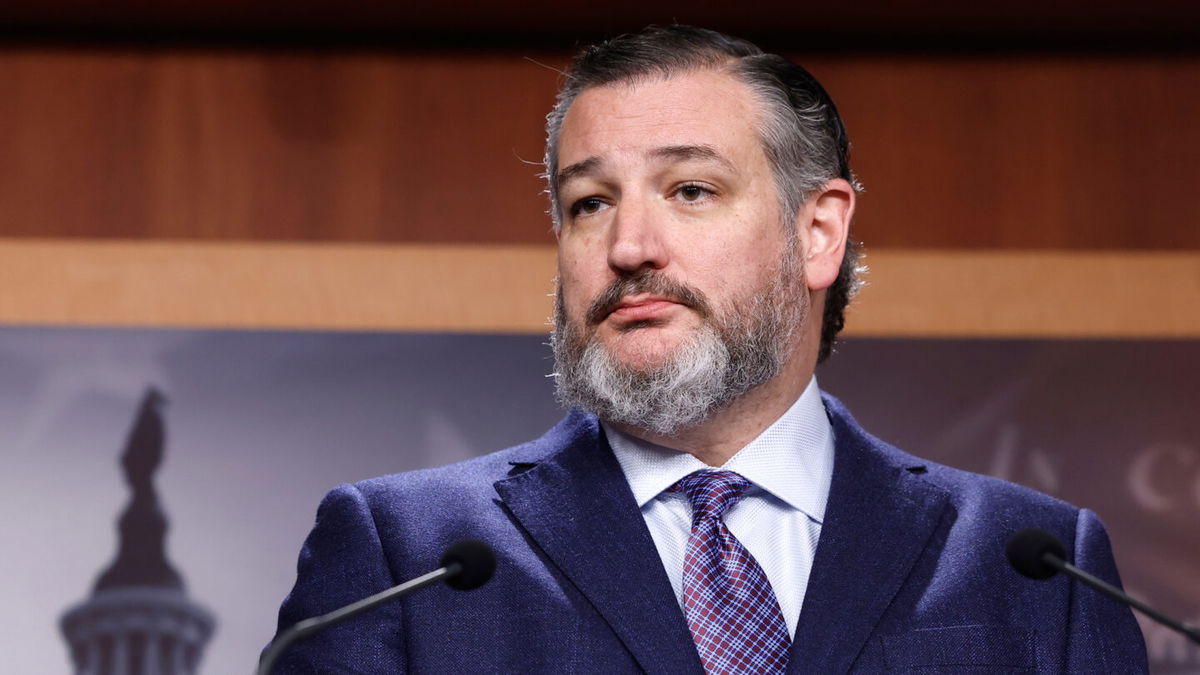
x=642, y=309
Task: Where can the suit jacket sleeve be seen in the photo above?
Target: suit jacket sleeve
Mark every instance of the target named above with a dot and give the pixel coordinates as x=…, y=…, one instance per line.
x=1103, y=636
x=342, y=561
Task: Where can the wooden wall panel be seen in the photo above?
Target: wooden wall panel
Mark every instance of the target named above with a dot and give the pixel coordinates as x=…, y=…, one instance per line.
x=1079, y=152
x=507, y=288
x=1024, y=152
x=271, y=146
x=277, y=285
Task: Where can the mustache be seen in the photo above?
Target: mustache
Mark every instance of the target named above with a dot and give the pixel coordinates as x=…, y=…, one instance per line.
x=646, y=281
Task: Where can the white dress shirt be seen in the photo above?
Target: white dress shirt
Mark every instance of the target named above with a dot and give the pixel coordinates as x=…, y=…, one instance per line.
x=789, y=466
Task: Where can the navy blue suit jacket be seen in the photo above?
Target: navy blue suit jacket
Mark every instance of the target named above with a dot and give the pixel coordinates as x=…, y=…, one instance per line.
x=910, y=572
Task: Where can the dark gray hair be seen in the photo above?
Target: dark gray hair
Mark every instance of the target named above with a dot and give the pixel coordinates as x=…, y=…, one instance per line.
x=801, y=131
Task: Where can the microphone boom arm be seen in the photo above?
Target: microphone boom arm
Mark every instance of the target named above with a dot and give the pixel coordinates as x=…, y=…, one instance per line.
x=308, y=626
x=1192, y=632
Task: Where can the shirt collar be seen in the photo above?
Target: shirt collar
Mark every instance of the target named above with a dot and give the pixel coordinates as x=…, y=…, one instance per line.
x=792, y=459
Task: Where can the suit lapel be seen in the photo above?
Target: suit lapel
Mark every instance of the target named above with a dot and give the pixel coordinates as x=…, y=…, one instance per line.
x=879, y=519
x=577, y=506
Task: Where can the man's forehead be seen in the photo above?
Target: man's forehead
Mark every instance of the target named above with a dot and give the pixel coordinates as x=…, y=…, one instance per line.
x=668, y=154
x=710, y=112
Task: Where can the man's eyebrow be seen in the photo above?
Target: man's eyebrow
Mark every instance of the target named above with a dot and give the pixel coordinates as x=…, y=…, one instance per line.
x=576, y=170
x=682, y=153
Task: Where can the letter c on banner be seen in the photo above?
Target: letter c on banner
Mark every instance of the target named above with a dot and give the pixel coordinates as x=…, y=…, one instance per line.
x=1141, y=483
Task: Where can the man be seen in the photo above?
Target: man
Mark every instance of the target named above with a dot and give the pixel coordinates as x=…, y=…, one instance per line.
x=702, y=508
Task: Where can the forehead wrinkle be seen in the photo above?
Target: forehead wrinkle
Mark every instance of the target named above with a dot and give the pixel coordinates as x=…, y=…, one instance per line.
x=674, y=153
x=682, y=153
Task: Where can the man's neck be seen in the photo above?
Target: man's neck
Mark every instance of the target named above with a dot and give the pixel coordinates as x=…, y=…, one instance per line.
x=720, y=436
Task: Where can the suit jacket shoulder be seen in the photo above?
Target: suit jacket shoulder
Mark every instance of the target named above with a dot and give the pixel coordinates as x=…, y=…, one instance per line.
x=931, y=541
x=578, y=586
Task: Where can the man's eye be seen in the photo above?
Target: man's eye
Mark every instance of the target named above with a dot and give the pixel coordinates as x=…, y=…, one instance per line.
x=692, y=193
x=588, y=206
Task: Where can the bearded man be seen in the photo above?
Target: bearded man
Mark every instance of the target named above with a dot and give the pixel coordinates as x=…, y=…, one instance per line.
x=703, y=507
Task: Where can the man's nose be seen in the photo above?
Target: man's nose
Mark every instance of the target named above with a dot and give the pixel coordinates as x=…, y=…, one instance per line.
x=636, y=238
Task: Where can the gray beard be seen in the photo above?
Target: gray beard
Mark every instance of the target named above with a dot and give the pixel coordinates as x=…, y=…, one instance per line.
x=730, y=354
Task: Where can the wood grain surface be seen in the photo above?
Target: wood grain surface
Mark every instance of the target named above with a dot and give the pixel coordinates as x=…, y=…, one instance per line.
x=506, y=288
x=1078, y=152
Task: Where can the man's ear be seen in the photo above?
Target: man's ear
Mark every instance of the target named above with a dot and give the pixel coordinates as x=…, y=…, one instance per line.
x=823, y=225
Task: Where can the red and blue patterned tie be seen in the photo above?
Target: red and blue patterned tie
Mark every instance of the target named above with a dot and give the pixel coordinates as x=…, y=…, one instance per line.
x=733, y=613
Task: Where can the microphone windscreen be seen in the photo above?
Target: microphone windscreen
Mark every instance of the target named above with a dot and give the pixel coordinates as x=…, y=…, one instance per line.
x=477, y=563
x=1027, y=549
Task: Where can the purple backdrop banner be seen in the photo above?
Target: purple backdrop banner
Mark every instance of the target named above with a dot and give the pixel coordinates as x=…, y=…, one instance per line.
x=259, y=425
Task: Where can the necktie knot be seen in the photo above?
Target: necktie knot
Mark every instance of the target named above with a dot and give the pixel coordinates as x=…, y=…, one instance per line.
x=712, y=493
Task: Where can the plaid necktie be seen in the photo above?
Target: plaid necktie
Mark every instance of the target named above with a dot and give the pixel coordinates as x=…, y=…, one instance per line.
x=733, y=614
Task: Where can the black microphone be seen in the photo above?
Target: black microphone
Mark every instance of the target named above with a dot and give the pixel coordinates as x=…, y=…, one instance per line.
x=1038, y=554
x=465, y=566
